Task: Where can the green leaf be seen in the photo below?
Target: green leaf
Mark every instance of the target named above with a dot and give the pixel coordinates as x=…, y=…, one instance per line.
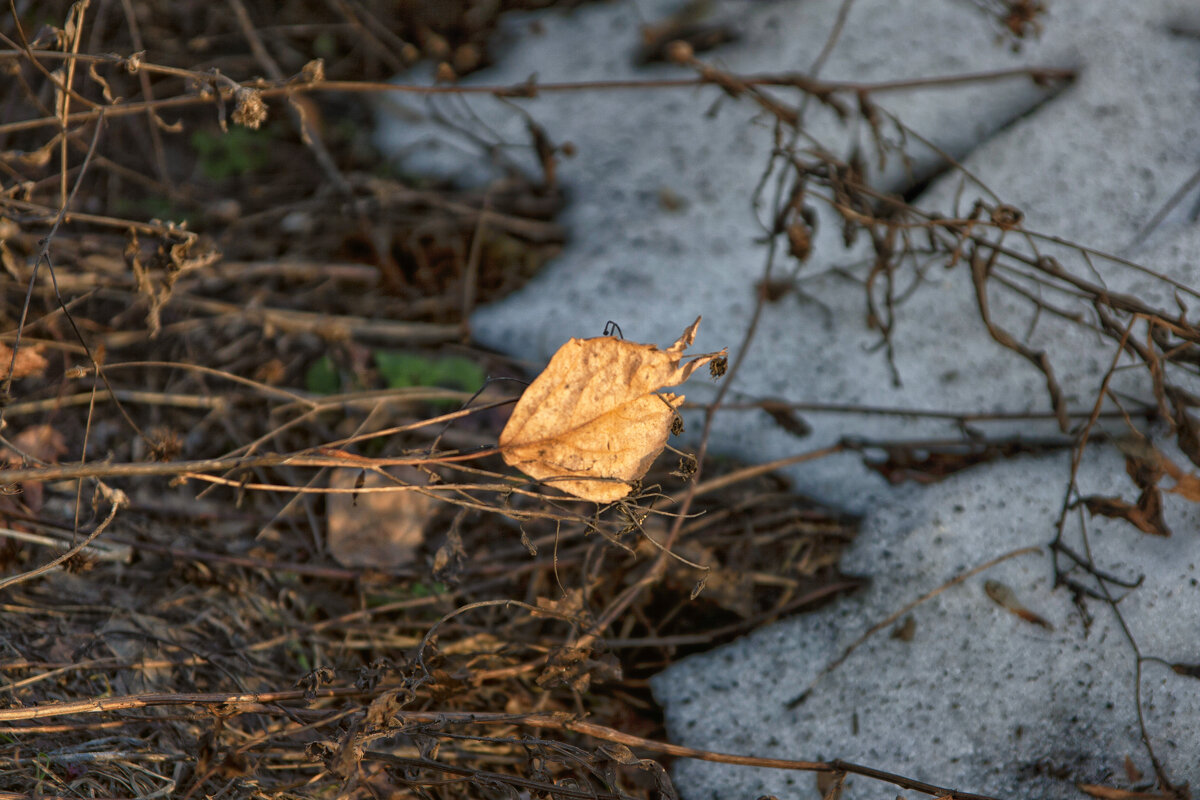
x=325, y=44
x=322, y=377
x=237, y=152
x=401, y=370
x=405, y=592
x=456, y=372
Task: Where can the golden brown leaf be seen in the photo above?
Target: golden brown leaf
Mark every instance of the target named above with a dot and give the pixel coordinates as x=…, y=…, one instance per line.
x=593, y=421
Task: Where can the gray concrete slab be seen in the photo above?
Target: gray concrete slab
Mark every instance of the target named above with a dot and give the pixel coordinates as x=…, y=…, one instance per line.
x=979, y=699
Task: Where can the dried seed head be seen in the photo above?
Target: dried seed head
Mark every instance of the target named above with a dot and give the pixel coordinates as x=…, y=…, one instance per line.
x=79, y=564
x=314, y=71
x=799, y=240
x=687, y=467
x=467, y=58
x=249, y=108
x=1006, y=217
x=717, y=366
x=680, y=52
x=676, y=425
x=434, y=44
x=165, y=443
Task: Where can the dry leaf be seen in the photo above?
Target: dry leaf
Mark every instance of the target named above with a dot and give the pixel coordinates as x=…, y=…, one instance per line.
x=577, y=668
x=380, y=530
x=1146, y=467
x=381, y=714
x=1187, y=428
x=1187, y=485
x=1146, y=515
x=30, y=361
x=1006, y=598
x=728, y=587
x=593, y=421
x=41, y=442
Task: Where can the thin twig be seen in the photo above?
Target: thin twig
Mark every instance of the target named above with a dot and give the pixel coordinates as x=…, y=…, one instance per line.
x=117, y=501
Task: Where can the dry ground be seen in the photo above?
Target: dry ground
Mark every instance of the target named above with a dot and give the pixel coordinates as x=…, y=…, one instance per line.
x=215, y=305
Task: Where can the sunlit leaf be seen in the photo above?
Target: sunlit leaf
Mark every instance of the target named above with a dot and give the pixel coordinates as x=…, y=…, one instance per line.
x=593, y=422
